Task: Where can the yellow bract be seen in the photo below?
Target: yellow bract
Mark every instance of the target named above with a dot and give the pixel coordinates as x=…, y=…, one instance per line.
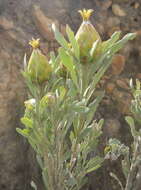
x=35, y=43
x=86, y=13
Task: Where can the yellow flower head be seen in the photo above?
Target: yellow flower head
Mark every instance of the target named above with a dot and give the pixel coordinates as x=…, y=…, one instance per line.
x=35, y=43
x=85, y=13
x=107, y=149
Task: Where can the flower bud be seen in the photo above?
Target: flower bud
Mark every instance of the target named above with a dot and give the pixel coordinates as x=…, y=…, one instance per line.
x=86, y=34
x=38, y=67
x=30, y=104
x=47, y=100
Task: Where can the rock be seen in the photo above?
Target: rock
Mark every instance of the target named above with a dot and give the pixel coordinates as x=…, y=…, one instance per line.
x=110, y=87
x=6, y=23
x=122, y=84
x=138, y=75
x=118, y=11
x=100, y=28
x=118, y=64
x=126, y=51
x=106, y=4
x=44, y=46
x=111, y=128
x=120, y=1
x=122, y=100
x=12, y=35
x=138, y=32
x=135, y=5
x=113, y=21
x=113, y=29
x=43, y=23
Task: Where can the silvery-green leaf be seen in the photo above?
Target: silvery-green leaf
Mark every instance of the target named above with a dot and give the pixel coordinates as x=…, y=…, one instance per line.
x=73, y=41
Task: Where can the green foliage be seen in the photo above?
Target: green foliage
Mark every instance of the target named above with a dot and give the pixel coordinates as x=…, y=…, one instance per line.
x=131, y=159
x=59, y=117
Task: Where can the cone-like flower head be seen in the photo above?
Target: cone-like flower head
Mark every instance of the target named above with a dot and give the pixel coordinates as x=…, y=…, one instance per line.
x=86, y=34
x=38, y=67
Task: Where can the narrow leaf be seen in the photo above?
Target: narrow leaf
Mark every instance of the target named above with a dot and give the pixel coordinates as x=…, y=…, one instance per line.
x=73, y=41
x=107, y=44
x=59, y=37
x=131, y=123
x=23, y=132
x=27, y=122
x=93, y=107
x=118, y=45
x=67, y=61
x=95, y=45
x=33, y=185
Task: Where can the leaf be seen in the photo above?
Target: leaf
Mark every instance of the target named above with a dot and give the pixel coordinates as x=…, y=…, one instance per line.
x=40, y=161
x=131, y=83
x=101, y=72
x=52, y=57
x=45, y=178
x=72, y=92
x=131, y=123
x=63, y=92
x=52, y=60
x=23, y=132
x=84, y=133
x=33, y=185
x=93, y=107
x=125, y=168
x=27, y=122
x=95, y=45
x=138, y=85
x=107, y=44
x=73, y=41
x=106, y=63
x=115, y=36
x=59, y=37
x=25, y=62
x=57, y=83
x=80, y=109
x=67, y=61
x=117, y=179
x=103, y=61
x=72, y=137
x=118, y=45
x=33, y=142
x=94, y=164
x=71, y=182
x=100, y=123
x=76, y=123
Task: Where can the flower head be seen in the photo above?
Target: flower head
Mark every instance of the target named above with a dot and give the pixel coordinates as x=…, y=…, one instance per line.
x=85, y=13
x=86, y=35
x=35, y=43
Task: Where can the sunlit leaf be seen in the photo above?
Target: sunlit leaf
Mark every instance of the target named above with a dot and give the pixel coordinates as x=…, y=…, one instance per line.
x=73, y=41
x=59, y=37
x=27, y=122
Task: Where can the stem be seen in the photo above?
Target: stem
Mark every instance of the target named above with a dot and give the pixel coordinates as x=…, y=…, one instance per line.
x=134, y=166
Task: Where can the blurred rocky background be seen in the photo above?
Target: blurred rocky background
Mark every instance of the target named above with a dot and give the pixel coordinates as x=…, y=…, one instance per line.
x=20, y=20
